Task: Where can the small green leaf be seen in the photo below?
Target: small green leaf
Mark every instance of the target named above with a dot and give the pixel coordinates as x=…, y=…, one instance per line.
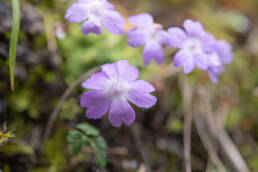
x=77, y=147
x=88, y=129
x=86, y=140
x=14, y=39
x=100, y=153
x=101, y=142
x=74, y=136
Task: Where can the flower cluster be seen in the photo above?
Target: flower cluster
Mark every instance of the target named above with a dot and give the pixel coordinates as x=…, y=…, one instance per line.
x=113, y=87
x=199, y=48
x=116, y=84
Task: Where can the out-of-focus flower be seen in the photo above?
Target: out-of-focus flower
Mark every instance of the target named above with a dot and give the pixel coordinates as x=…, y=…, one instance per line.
x=94, y=14
x=191, y=51
x=6, y=136
x=60, y=30
x=149, y=34
x=219, y=52
x=113, y=87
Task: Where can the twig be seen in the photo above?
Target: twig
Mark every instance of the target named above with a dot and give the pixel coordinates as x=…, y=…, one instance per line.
x=232, y=151
x=137, y=139
x=221, y=135
x=207, y=143
x=187, y=93
x=64, y=97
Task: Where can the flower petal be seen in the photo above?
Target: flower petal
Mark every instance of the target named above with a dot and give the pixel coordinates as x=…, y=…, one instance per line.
x=141, y=20
x=184, y=58
x=214, y=72
x=113, y=22
x=164, y=38
x=84, y=1
x=91, y=26
x=142, y=100
x=97, y=103
x=209, y=43
x=96, y=81
x=139, y=94
x=77, y=13
x=110, y=70
x=90, y=97
x=121, y=111
x=153, y=51
x=108, y=5
x=225, y=51
x=136, y=37
x=126, y=71
x=193, y=28
x=177, y=37
x=141, y=86
x=200, y=60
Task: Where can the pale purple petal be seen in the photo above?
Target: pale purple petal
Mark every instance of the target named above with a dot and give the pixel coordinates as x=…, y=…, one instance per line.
x=193, y=28
x=90, y=26
x=121, y=111
x=139, y=94
x=126, y=71
x=142, y=100
x=225, y=51
x=209, y=43
x=84, y=1
x=90, y=97
x=200, y=60
x=153, y=51
x=214, y=72
x=164, y=38
x=141, y=20
x=177, y=37
x=108, y=5
x=184, y=58
x=136, y=38
x=113, y=22
x=96, y=81
x=142, y=86
x=110, y=70
x=213, y=77
x=97, y=103
x=77, y=13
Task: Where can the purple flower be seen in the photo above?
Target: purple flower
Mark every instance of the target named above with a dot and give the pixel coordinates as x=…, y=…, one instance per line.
x=94, y=14
x=151, y=35
x=190, y=43
x=219, y=52
x=112, y=89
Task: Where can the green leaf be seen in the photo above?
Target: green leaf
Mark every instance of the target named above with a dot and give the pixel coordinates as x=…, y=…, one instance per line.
x=77, y=147
x=101, y=142
x=14, y=39
x=74, y=136
x=100, y=153
x=86, y=140
x=88, y=129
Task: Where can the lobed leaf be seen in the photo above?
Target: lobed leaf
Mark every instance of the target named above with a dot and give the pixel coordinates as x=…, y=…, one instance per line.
x=88, y=129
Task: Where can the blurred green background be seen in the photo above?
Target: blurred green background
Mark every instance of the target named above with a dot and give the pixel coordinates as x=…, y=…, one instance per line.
x=53, y=53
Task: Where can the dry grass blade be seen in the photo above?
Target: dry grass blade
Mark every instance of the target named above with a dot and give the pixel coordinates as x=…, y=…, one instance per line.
x=187, y=93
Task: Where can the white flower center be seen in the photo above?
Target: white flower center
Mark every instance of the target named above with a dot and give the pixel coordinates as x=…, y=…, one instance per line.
x=193, y=45
x=117, y=88
x=214, y=59
x=153, y=34
x=96, y=9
